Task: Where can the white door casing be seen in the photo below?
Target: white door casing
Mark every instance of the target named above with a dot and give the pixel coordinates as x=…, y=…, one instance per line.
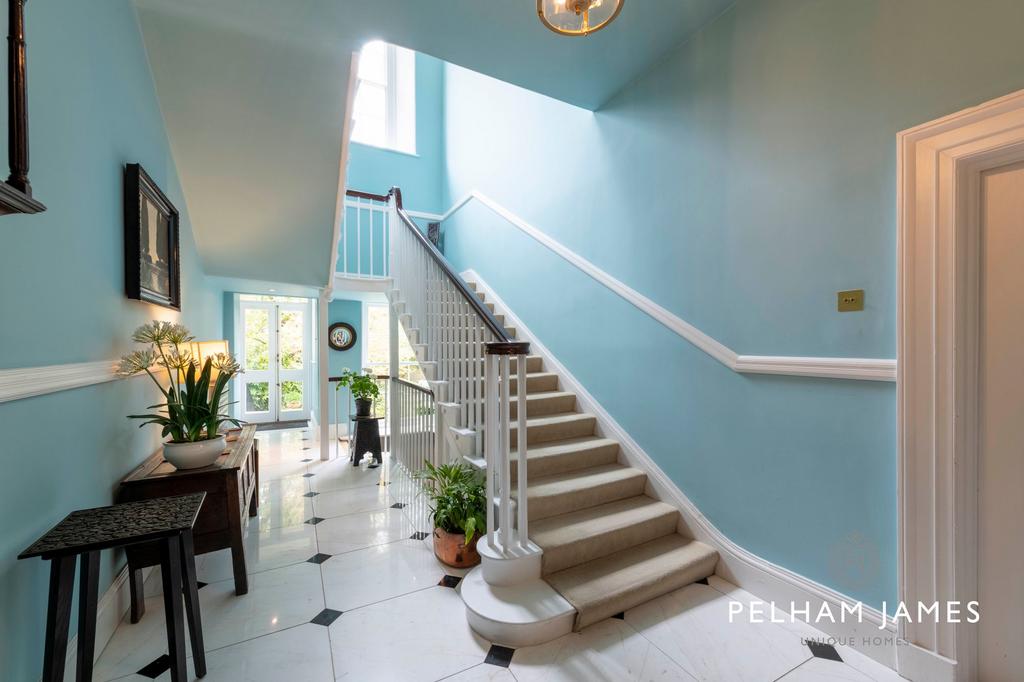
x=939, y=169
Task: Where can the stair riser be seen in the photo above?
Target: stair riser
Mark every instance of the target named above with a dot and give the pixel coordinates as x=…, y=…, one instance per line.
x=535, y=384
x=553, y=505
x=546, y=433
x=600, y=545
x=570, y=461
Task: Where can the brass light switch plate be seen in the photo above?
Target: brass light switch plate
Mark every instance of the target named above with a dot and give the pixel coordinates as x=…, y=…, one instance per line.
x=849, y=301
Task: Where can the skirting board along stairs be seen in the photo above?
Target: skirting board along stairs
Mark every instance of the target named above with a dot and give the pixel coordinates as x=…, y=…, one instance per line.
x=607, y=546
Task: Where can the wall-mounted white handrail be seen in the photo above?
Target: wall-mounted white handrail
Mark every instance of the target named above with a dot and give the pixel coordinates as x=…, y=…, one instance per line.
x=869, y=369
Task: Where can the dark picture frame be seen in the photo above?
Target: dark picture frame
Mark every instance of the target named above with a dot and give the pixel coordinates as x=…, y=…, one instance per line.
x=351, y=336
x=152, y=256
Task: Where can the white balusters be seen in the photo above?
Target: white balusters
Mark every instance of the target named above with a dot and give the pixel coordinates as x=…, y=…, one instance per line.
x=369, y=220
x=511, y=537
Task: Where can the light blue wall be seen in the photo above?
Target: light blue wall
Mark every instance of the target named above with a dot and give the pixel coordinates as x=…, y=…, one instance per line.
x=421, y=176
x=341, y=310
x=92, y=109
x=740, y=184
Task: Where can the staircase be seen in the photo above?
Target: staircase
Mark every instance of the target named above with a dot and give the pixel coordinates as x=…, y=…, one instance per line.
x=607, y=546
x=572, y=537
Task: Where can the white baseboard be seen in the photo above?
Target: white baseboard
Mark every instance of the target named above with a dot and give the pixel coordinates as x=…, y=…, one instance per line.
x=754, y=574
x=110, y=611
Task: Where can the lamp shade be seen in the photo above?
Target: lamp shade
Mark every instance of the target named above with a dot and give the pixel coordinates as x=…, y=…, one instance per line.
x=578, y=17
x=201, y=350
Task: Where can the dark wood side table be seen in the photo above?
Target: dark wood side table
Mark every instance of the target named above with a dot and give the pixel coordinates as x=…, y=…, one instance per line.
x=231, y=485
x=166, y=523
x=367, y=439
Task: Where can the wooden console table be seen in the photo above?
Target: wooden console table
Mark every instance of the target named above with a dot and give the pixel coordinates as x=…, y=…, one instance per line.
x=231, y=485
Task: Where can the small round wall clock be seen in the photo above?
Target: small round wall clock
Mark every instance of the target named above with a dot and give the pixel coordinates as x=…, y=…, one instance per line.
x=341, y=336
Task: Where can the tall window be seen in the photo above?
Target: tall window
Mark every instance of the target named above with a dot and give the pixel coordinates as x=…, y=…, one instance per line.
x=385, y=107
x=376, y=346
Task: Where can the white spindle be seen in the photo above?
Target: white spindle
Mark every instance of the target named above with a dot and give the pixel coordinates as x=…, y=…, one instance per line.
x=522, y=536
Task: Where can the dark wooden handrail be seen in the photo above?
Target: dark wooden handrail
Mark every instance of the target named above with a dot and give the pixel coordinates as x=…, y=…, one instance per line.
x=412, y=385
x=481, y=310
x=355, y=193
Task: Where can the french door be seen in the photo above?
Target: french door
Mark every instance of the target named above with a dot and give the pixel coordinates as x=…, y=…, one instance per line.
x=276, y=352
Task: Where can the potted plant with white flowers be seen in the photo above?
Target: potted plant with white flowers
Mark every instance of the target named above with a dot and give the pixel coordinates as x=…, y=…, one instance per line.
x=193, y=409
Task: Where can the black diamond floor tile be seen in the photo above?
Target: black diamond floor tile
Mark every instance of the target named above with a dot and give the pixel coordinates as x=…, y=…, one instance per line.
x=315, y=520
x=318, y=558
x=311, y=494
x=308, y=475
x=450, y=581
x=499, y=655
x=702, y=581
x=621, y=615
x=398, y=505
x=157, y=668
x=419, y=536
x=306, y=460
x=827, y=651
x=200, y=584
x=326, y=617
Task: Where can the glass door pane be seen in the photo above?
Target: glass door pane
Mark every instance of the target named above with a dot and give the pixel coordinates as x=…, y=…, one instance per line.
x=259, y=385
x=294, y=347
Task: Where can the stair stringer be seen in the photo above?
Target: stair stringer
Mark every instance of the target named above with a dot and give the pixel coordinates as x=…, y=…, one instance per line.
x=743, y=568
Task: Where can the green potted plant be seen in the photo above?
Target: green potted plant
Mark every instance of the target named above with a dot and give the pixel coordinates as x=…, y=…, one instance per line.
x=364, y=388
x=458, y=503
x=193, y=394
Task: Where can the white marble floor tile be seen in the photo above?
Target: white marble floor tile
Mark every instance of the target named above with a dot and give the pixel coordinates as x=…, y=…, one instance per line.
x=692, y=626
x=132, y=647
x=610, y=650
x=356, y=531
x=277, y=599
x=483, y=673
x=419, y=637
x=350, y=500
x=824, y=670
x=339, y=474
x=282, y=470
x=301, y=653
x=378, y=573
x=264, y=550
x=282, y=502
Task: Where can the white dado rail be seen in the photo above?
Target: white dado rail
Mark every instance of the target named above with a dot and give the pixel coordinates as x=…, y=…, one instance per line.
x=27, y=382
x=866, y=369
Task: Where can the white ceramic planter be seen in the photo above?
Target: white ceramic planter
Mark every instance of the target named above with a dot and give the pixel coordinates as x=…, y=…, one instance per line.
x=194, y=455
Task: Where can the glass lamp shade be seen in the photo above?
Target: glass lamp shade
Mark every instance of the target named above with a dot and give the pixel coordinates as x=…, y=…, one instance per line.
x=578, y=17
x=201, y=350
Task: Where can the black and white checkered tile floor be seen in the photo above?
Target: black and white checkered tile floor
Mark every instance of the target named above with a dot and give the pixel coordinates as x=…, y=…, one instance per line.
x=343, y=586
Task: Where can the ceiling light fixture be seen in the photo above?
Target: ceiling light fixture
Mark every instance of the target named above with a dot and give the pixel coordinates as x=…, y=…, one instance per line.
x=578, y=17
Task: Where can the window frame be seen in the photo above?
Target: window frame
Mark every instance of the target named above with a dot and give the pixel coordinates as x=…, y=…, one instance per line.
x=399, y=94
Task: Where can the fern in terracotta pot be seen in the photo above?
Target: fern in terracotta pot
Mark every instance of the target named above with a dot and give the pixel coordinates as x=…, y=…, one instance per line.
x=193, y=408
x=458, y=504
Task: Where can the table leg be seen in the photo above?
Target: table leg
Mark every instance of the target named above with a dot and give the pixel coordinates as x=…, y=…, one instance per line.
x=254, y=503
x=88, y=593
x=138, y=595
x=195, y=618
x=58, y=617
x=236, y=527
x=170, y=571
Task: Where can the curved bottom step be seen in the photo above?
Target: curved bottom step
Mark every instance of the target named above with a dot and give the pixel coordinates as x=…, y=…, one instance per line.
x=520, y=615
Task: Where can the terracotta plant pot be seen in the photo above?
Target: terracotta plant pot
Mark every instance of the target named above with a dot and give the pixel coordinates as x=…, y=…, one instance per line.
x=451, y=549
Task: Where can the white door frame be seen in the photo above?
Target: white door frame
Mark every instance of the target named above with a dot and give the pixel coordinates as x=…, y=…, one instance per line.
x=939, y=172
x=303, y=374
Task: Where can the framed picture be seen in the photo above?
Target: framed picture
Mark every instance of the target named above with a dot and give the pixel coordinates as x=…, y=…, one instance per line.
x=152, y=260
x=341, y=336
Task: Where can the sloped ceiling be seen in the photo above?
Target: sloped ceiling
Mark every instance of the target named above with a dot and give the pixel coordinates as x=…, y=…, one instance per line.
x=253, y=92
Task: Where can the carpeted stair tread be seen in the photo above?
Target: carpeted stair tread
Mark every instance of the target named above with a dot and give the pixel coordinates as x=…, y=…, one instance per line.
x=575, y=490
x=570, y=454
x=580, y=536
x=601, y=588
